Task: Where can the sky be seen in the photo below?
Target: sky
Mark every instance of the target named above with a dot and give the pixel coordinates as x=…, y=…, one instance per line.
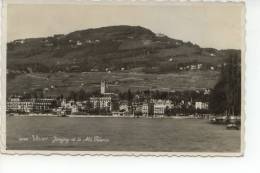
x=216, y=25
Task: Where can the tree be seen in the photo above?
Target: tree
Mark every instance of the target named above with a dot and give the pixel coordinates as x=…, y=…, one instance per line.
x=72, y=95
x=129, y=95
x=81, y=95
x=226, y=95
x=167, y=111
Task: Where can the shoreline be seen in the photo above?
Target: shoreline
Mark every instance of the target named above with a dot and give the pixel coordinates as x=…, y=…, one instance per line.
x=107, y=116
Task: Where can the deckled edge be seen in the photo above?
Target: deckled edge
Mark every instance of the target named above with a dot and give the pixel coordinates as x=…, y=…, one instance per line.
x=3, y=34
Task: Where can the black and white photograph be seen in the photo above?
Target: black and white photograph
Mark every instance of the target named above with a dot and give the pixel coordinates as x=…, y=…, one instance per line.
x=125, y=78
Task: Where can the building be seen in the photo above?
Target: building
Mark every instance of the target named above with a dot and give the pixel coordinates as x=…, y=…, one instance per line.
x=137, y=108
x=44, y=104
x=74, y=109
x=148, y=109
x=160, y=107
x=101, y=102
x=103, y=87
x=199, y=66
x=201, y=105
x=78, y=43
x=106, y=101
x=193, y=67
x=16, y=104
x=168, y=103
x=206, y=91
x=20, y=105
x=20, y=41
x=212, y=68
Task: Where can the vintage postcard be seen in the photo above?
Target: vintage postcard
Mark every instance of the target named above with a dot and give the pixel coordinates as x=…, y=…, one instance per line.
x=122, y=78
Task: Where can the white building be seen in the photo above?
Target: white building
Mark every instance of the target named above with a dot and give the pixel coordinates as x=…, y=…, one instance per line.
x=101, y=102
x=160, y=106
x=145, y=109
x=159, y=109
x=79, y=43
x=199, y=66
x=193, y=67
x=106, y=100
x=103, y=87
x=201, y=105
x=19, y=105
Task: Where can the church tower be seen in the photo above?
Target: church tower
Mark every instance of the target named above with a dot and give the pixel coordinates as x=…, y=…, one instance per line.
x=103, y=87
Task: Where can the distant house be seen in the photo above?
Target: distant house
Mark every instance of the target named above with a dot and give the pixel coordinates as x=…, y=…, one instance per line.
x=88, y=41
x=75, y=68
x=206, y=91
x=212, y=54
x=20, y=41
x=159, y=110
x=160, y=107
x=16, y=104
x=199, y=66
x=137, y=108
x=58, y=36
x=70, y=106
x=74, y=109
x=44, y=104
x=201, y=105
x=94, y=70
x=212, y=68
x=193, y=67
x=148, y=109
x=160, y=35
x=78, y=43
x=101, y=102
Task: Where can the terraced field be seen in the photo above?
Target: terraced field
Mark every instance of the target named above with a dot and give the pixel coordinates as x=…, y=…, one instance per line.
x=60, y=82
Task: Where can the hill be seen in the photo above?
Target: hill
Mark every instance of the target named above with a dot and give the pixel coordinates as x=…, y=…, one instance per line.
x=129, y=56
x=112, y=48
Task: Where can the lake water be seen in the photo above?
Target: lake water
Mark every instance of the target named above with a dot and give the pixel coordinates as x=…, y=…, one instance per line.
x=119, y=134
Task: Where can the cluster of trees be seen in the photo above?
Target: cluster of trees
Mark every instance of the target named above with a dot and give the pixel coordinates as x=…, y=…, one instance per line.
x=176, y=96
x=226, y=96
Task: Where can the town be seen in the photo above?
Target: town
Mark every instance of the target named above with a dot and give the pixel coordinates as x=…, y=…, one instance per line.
x=147, y=103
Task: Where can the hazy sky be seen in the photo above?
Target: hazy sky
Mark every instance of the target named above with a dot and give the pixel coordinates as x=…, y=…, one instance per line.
x=215, y=25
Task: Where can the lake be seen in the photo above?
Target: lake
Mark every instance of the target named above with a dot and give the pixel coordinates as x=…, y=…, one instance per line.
x=119, y=134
